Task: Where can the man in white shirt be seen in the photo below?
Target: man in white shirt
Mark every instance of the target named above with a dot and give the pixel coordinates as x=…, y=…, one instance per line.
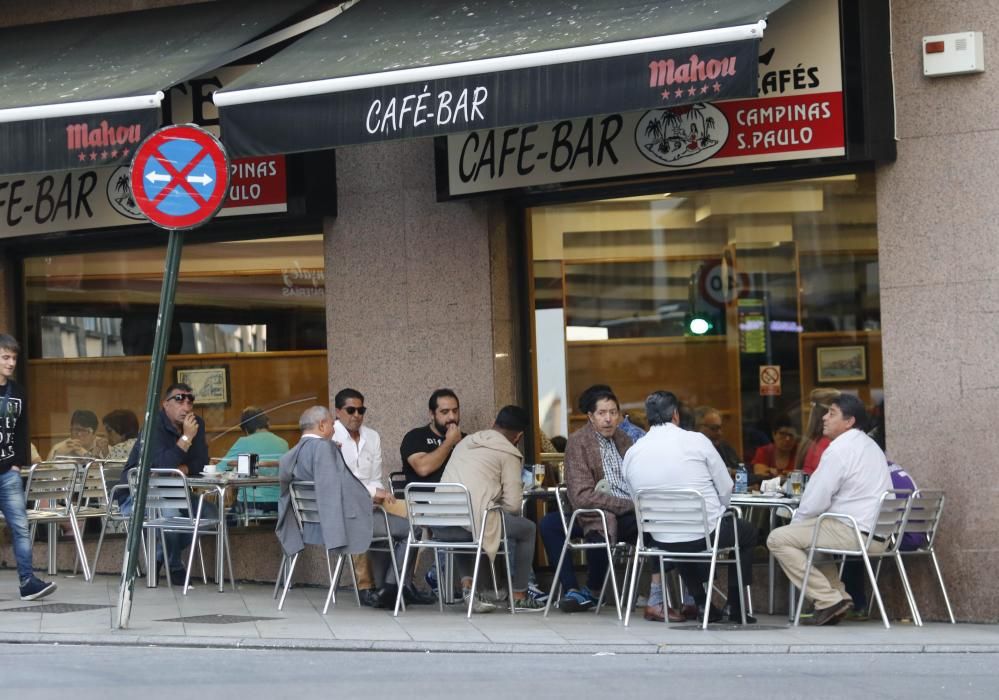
x=673, y=458
x=850, y=479
x=362, y=451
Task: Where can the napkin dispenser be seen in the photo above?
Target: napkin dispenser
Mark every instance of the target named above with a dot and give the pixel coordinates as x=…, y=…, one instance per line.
x=246, y=464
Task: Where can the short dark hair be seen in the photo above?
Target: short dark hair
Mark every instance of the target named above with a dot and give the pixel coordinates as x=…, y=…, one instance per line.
x=687, y=419
x=595, y=394
x=122, y=421
x=344, y=394
x=660, y=406
x=783, y=421
x=253, y=419
x=512, y=418
x=852, y=407
x=177, y=385
x=437, y=395
x=9, y=342
x=560, y=442
x=85, y=418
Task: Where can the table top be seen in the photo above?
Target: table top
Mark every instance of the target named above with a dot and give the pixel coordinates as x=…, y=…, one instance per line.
x=230, y=479
x=755, y=498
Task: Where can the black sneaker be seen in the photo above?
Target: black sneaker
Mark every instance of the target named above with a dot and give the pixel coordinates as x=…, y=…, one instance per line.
x=34, y=588
x=414, y=596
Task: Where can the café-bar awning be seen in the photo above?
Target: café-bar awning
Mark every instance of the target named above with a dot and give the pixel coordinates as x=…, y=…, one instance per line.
x=85, y=92
x=386, y=69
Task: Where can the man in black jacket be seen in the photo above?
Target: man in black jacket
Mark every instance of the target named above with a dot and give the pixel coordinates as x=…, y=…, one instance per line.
x=14, y=452
x=178, y=441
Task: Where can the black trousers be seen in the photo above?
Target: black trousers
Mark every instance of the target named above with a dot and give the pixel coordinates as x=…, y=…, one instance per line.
x=695, y=574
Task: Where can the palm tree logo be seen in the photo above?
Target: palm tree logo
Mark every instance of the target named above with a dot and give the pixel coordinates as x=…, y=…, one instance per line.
x=119, y=192
x=681, y=136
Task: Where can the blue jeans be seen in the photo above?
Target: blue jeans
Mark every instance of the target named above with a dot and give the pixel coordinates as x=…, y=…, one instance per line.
x=553, y=538
x=13, y=508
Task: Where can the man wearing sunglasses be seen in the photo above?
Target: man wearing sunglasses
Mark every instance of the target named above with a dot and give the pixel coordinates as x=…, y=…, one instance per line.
x=178, y=441
x=362, y=451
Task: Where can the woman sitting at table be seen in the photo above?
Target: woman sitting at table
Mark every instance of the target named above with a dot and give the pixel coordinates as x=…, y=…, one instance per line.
x=122, y=428
x=777, y=458
x=815, y=443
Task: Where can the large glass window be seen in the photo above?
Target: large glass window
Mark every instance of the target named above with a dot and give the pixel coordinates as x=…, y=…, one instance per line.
x=700, y=293
x=251, y=310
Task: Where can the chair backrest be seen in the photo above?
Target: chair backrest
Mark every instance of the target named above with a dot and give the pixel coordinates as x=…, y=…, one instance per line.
x=303, y=502
x=891, y=517
x=112, y=469
x=923, y=516
x=91, y=487
x=52, y=481
x=439, y=505
x=679, y=513
x=167, y=489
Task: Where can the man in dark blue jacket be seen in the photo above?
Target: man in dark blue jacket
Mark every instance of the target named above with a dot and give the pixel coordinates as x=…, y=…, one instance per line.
x=178, y=441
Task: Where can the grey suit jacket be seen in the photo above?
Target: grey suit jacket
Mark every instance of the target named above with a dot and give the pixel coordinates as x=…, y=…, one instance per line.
x=345, y=523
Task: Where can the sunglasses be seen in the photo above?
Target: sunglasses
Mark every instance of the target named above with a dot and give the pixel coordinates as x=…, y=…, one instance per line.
x=181, y=398
x=351, y=410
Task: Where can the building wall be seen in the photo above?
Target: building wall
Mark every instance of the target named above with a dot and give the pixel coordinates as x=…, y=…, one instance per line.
x=418, y=293
x=938, y=223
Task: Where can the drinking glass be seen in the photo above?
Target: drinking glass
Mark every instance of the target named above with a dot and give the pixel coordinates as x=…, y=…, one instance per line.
x=797, y=480
x=539, y=475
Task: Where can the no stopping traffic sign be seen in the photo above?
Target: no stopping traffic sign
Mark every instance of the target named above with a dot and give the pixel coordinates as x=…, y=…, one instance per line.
x=180, y=176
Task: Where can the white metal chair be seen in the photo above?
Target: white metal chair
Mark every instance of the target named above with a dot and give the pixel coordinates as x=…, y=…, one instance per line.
x=887, y=529
x=568, y=517
x=305, y=508
x=50, y=497
x=167, y=494
x=432, y=506
x=92, y=496
x=681, y=514
x=923, y=518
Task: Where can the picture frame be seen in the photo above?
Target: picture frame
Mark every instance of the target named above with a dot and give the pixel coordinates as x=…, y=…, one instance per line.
x=210, y=384
x=840, y=364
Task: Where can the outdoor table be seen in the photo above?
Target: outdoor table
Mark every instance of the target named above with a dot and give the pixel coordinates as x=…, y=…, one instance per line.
x=218, y=483
x=774, y=503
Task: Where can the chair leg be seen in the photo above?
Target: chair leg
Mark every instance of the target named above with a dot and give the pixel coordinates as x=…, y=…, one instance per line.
x=287, y=579
x=874, y=586
x=631, y=589
x=190, y=558
x=405, y=563
x=334, y=579
x=100, y=542
x=80, y=551
x=166, y=559
x=804, y=586
x=943, y=589
x=280, y=574
x=353, y=578
x=907, y=587
x=228, y=558
x=558, y=568
x=475, y=580
x=613, y=578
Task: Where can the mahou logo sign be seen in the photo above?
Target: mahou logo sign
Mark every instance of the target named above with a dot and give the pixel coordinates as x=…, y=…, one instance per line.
x=679, y=137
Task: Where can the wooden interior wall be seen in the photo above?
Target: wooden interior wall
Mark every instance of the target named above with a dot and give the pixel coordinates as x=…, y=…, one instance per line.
x=695, y=369
x=870, y=391
x=267, y=380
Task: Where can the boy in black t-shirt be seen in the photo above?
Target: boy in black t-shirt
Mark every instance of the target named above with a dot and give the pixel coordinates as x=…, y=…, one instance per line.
x=426, y=450
x=14, y=451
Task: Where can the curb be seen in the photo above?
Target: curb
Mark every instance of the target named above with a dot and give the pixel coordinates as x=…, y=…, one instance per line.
x=123, y=640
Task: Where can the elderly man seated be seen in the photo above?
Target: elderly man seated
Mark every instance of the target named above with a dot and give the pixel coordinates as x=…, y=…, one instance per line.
x=345, y=517
x=670, y=457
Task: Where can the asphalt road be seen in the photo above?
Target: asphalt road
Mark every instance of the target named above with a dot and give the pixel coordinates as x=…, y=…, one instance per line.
x=151, y=673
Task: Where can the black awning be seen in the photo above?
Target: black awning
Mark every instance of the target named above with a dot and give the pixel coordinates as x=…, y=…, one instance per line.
x=84, y=92
x=387, y=69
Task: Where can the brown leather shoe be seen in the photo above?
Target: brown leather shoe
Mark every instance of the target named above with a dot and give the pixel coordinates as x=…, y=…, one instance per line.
x=690, y=612
x=656, y=613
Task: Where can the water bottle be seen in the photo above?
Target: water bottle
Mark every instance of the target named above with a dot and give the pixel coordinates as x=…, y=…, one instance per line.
x=741, y=479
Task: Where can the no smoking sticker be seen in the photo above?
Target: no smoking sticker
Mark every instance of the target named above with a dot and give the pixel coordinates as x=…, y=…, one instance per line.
x=769, y=380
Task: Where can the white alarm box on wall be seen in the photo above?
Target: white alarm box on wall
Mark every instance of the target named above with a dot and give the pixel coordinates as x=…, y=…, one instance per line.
x=953, y=54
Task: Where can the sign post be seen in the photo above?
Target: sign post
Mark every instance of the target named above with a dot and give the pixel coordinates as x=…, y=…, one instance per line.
x=179, y=177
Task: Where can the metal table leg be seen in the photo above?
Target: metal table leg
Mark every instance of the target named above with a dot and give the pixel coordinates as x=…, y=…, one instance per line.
x=53, y=548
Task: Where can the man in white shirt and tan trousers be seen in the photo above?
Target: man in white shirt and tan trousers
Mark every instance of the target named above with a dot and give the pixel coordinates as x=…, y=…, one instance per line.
x=362, y=451
x=850, y=479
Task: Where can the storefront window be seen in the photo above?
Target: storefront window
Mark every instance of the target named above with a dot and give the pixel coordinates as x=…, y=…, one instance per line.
x=252, y=310
x=743, y=299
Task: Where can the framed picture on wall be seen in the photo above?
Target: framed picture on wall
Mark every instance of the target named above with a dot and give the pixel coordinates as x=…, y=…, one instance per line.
x=210, y=384
x=837, y=364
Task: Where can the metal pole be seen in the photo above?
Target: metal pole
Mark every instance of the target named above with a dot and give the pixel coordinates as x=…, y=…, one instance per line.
x=164, y=320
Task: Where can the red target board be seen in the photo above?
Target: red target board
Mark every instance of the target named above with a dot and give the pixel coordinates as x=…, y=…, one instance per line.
x=180, y=177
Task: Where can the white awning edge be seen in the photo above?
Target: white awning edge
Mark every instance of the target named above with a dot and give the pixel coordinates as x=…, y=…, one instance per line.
x=491, y=65
x=72, y=109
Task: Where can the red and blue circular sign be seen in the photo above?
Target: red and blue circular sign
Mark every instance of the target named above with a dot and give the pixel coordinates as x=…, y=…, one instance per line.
x=180, y=177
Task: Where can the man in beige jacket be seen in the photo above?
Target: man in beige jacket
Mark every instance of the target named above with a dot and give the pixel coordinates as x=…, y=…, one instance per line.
x=489, y=465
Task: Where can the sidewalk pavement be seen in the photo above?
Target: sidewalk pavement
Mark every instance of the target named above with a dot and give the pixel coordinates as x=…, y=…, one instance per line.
x=82, y=613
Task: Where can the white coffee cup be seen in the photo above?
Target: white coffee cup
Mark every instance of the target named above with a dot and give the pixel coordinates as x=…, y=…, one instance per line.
x=209, y=469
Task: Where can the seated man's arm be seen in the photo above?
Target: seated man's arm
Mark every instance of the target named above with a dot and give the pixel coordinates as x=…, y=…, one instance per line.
x=719, y=474
x=822, y=486
x=512, y=495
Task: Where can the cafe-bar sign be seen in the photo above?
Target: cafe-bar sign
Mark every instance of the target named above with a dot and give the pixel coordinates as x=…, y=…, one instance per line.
x=798, y=113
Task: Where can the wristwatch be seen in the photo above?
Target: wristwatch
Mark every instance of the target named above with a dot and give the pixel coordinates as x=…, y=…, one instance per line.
x=185, y=438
